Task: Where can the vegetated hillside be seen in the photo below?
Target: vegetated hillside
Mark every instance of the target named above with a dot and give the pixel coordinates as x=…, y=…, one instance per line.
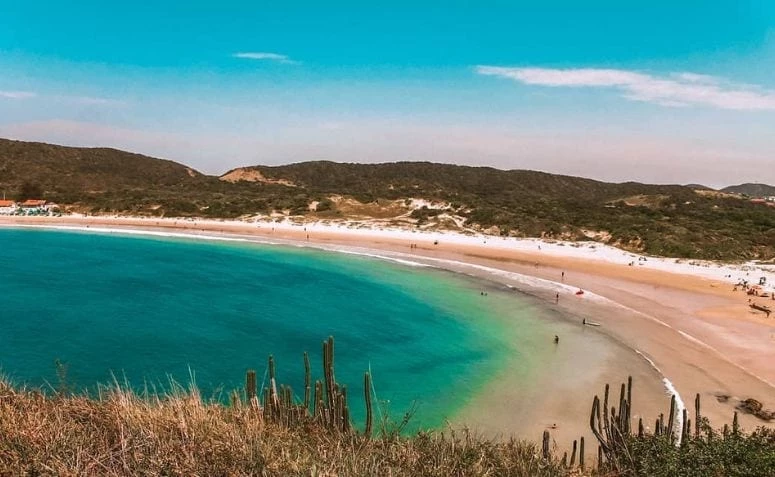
x=86, y=169
x=699, y=187
x=101, y=180
x=662, y=220
x=751, y=190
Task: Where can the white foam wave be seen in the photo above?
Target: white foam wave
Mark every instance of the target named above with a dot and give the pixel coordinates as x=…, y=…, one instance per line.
x=409, y=263
x=127, y=231
x=678, y=424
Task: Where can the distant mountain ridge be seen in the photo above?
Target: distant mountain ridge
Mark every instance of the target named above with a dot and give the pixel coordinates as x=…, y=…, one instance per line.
x=751, y=190
x=669, y=220
x=699, y=187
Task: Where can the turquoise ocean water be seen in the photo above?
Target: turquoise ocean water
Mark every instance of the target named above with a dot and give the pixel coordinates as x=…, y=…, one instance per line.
x=146, y=308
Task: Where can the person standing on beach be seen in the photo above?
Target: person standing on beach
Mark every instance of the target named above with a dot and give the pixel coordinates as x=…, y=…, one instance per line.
x=557, y=299
x=563, y=276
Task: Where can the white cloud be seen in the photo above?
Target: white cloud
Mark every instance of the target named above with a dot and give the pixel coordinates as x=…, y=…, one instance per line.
x=266, y=56
x=17, y=94
x=82, y=100
x=93, y=101
x=679, y=89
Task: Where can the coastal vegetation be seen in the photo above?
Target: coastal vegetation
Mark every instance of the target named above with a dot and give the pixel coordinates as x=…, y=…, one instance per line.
x=751, y=190
x=664, y=220
x=273, y=431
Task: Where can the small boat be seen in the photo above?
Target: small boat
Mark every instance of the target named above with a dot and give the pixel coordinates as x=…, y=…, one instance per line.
x=592, y=323
x=580, y=292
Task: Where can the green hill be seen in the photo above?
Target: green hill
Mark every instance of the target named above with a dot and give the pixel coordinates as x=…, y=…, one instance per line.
x=667, y=220
x=86, y=169
x=751, y=190
x=662, y=220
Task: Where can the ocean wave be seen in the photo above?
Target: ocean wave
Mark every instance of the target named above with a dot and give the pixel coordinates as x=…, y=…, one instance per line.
x=678, y=424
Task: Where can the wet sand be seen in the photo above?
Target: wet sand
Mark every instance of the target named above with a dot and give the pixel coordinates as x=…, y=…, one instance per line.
x=698, y=332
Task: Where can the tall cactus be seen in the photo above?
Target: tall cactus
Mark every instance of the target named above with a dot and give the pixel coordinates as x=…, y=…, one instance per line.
x=328, y=406
x=318, y=413
x=272, y=381
x=697, y=416
x=605, y=413
x=573, y=455
x=599, y=457
x=250, y=385
x=367, y=397
x=670, y=430
x=328, y=373
x=545, y=446
x=307, y=379
x=735, y=424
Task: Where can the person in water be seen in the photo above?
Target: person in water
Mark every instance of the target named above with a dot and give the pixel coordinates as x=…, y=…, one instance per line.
x=556, y=339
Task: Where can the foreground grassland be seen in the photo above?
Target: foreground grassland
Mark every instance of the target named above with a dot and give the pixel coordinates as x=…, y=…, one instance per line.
x=275, y=433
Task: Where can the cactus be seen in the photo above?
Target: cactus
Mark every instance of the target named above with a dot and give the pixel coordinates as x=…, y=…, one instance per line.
x=367, y=397
x=328, y=373
x=250, y=385
x=697, y=416
x=545, y=446
x=614, y=430
x=621, y=406
x=596, y=429
x=272, y=382
x=328, y=406
x=345, y=412
x=573, y=455
x=671, y=434
x=288, y=396
x=599, y=457
x=318, y=413
x=307, y=379
x=688, y=433
x=661, y=423
x=735, y=425
x=605, y=412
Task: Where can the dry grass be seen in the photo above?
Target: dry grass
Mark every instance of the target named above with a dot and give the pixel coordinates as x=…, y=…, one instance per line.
x=121, y=433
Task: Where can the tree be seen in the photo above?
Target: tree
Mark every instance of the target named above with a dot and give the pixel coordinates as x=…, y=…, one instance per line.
x=29, y=190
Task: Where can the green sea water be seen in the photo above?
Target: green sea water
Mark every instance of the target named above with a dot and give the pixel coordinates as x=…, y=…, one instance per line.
x=144, y=309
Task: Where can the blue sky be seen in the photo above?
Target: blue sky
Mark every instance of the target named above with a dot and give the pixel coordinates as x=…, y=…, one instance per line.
x=654, y=92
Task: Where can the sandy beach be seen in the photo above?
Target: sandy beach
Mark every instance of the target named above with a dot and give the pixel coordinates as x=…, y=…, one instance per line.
x=675, y=324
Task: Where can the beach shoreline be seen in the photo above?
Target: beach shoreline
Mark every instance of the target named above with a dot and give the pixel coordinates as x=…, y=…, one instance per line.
x=681, y=317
